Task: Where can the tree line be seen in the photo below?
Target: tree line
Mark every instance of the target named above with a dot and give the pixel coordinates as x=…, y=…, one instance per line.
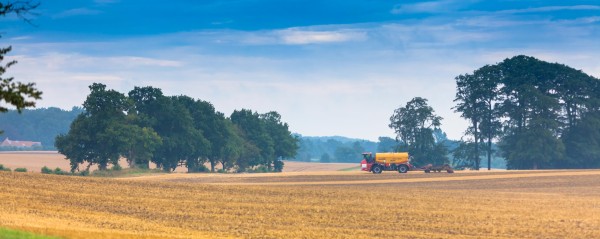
x=541, y=115
x=171, y=131
x=544, y=115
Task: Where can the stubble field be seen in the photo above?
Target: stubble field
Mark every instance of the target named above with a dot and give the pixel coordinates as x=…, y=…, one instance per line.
x=529, y=204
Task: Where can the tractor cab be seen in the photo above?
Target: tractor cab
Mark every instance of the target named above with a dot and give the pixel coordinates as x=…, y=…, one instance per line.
x=367, y=161
x=368, y=157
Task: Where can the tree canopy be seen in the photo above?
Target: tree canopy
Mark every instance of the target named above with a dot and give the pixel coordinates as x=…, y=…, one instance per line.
x=543, y=114
x=171, y=131
x=414, y=125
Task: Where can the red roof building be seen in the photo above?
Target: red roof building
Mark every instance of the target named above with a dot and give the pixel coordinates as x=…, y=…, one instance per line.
x=19, y=144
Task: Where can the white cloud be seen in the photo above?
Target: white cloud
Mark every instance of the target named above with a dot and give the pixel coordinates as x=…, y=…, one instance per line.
x=429, y=7
x=551, y=9
x=301, y=37
x=20, y=38
x=91, y=78
x=134, y=61
x=77, y=12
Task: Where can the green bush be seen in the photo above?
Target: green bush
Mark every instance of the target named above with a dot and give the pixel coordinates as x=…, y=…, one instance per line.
x=117, y=167
x=84, y=173
x=259, y=169
x=198, y=169
x=278, y=166
x=46, y=170
x=203, y=168
x=2, y=168
x=59, y=171
x=21, y=170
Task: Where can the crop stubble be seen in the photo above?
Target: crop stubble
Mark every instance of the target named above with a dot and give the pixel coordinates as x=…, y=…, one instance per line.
x=563, y=206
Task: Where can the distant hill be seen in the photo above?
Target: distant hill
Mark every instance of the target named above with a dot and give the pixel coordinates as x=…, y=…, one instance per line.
x=41, y=125
x=333, y=149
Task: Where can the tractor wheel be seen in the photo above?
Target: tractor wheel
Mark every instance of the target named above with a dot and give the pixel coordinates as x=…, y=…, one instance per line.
x=377, y=169
x=427, y=171
x=402, y=168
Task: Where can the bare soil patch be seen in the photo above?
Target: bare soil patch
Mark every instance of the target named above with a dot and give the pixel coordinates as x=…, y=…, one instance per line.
x=34, y=160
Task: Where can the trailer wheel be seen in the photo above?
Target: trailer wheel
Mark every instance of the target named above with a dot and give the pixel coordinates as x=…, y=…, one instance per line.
x=376, y=169
x=402, y=168
x=427, y=171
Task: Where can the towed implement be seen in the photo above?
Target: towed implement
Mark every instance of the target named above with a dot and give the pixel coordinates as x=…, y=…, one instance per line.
x=437, y=168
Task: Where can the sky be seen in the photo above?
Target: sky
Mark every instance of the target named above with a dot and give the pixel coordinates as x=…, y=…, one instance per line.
x=336, y=67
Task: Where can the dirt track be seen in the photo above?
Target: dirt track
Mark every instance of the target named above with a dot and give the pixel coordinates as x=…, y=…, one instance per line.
x=356, y=177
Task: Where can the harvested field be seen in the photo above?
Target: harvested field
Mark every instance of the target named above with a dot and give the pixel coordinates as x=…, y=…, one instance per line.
x=530, y=204
x=293, y=166
x=35, y=160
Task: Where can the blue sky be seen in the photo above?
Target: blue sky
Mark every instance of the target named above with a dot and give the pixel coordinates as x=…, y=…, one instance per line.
x=329, y=67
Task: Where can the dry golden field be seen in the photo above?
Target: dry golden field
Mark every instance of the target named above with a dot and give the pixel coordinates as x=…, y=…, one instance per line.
x=530, y=204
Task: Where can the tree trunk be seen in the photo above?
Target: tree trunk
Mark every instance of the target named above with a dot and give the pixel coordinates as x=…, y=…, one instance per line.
x=212, y=165
x=102, y=166
x=131, y=159
x=476, y=136
x=489, y=152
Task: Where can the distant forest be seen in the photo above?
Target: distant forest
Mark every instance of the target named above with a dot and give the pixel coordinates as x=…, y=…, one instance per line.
x=339, y=149
x=40, y=125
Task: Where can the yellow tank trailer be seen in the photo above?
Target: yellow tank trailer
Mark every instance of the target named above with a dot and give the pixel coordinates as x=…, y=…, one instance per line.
x=379, y=162
x=396, y=158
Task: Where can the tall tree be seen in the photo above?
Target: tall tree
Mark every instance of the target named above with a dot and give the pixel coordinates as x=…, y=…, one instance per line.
x=285, y=145
x=182, y=143
x=414, y=124
x=235, y=145
x=255, y=133
x=532, y=109
x=212, y=125
x=477, y=97
x=540, y=105
x=93, y=137
x=582, y=142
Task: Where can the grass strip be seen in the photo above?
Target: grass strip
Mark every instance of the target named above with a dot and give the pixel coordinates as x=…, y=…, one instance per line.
x=15, y=234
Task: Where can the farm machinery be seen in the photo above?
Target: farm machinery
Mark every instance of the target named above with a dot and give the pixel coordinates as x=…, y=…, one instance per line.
x=379, y=162
x=436, y=168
